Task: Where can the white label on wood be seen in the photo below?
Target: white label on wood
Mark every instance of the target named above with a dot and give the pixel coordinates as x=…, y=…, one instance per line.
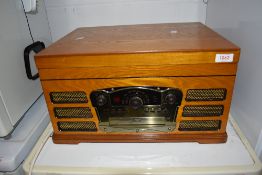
x=221, y=58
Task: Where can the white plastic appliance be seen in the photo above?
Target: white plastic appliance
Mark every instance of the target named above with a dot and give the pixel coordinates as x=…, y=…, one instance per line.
x=23, y=112
x=17, y=92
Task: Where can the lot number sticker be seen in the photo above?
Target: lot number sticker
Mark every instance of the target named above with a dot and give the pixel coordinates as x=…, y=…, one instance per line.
x=222, y=58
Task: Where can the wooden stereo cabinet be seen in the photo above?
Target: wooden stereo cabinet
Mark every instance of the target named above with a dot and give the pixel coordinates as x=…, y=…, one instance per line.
x=139, y=83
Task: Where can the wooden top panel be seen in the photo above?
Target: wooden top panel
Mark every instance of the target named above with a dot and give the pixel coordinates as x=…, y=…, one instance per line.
x=146, y=38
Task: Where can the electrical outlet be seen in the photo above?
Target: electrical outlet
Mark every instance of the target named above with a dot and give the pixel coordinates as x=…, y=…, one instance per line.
x=30, y=5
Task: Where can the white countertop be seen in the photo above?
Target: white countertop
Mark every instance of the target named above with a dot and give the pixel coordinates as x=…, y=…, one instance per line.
x=148, y=158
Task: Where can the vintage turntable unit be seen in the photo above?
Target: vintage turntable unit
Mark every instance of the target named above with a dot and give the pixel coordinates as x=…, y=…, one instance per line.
x=139, y=83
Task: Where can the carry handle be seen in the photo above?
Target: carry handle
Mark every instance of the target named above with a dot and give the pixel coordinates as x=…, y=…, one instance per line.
x=36, y=47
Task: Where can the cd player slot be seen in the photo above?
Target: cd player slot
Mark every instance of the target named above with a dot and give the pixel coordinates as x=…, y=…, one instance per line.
x=139, y=121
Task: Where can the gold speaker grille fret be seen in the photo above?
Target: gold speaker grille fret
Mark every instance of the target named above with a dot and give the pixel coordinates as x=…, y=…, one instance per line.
x=68, y=97
x=203, y=110
x=72, y=112
x=218, y=94
x=77, y=126
x=199, y=125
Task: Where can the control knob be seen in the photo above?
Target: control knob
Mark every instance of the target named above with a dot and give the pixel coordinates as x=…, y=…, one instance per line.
x=136, y=102
x=101, y=100
x=170, y=99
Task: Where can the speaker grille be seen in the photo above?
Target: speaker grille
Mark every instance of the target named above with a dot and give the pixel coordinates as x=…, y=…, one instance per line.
x=206, y=94
x=77, y=126
x=199, y=125
x=73, y=112
x=203, y=110
x=68, y=97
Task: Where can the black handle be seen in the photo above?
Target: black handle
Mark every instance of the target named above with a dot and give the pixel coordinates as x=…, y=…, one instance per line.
x=36, y=47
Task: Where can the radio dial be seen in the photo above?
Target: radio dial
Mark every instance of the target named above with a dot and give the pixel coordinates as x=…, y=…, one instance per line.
x=136, y=102
x=170, y=99
x=101, y=100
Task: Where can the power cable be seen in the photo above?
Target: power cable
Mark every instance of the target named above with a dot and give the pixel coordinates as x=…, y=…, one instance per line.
x=29, y=28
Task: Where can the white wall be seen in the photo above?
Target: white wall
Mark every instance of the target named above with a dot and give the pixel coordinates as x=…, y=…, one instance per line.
x=66, y=15
x=17, y=92
x=241, y=22
x=39, y=23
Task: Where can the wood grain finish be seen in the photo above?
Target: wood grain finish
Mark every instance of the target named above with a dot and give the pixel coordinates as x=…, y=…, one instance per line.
x=118, y=60
x=139, y=71
x=117, y=138
x=183, y=83
x=152, y=44
x=147, y=38
x=167, y=55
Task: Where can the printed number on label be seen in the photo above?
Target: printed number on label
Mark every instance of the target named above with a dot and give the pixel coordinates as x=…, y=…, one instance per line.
x=220, y=58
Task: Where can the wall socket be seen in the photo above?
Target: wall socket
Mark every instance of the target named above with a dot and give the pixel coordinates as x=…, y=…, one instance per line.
x=258, y=147
x=30, y=5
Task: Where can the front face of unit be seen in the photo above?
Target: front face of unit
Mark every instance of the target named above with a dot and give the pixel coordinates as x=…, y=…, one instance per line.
x=136, y=109
x=139, y=109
